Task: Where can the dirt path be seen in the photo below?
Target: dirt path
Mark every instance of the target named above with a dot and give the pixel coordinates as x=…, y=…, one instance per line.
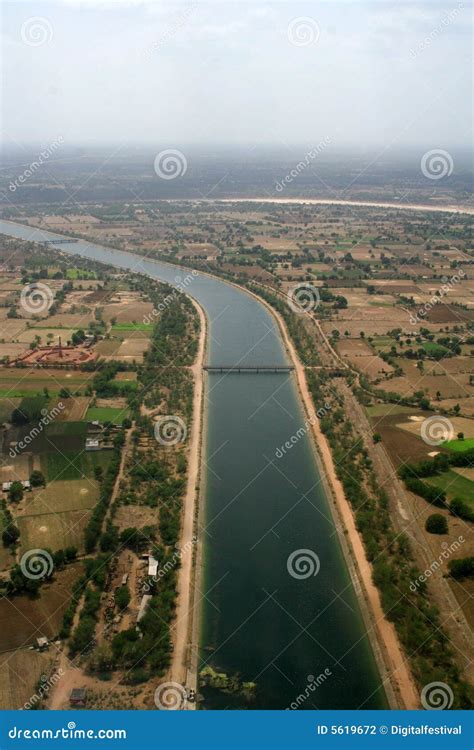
x=183, y=623
x=384, y=630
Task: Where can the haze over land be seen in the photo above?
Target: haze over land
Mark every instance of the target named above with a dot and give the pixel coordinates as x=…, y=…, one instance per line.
x=282, y=73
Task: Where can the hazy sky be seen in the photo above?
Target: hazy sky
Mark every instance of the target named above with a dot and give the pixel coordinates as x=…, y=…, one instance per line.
x=154, y=71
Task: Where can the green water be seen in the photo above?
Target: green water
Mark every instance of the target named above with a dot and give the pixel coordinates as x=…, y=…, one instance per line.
x=272, y=628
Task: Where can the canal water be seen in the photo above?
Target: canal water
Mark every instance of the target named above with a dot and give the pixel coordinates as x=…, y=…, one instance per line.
x=278, y=605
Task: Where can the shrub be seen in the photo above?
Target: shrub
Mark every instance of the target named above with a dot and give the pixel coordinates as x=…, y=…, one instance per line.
x=436, y=524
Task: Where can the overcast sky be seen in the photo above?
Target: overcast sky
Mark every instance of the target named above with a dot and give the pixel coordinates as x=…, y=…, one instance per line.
x=153, y=71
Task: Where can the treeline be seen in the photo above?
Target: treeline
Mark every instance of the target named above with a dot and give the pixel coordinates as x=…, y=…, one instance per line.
x=416, y=620
x=94, y=527
x=297, y=329
x=413, y=475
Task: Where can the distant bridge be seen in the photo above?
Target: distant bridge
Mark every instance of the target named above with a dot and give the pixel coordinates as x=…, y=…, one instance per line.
x=58, y=242
x=249, y=368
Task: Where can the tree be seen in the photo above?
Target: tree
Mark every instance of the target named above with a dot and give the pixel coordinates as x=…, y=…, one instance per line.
x=436, y=524
x=37, y=478
x=377, y=437
x=460, y=435
x=16, y=492
x=10, y=535
x=462, y=568
x=122, y=597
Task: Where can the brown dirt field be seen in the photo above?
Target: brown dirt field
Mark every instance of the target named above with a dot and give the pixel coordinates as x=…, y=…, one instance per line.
x=29, y=334
x=60, y=496
x=20, y=672
x=126, y=376
x=459, y=424
x=74, y=408
x=466, y=404
x=11, y=328
x=53, y=530
x=142, y=516
x=12, y=350
x=68, y=320
x=132, y=349
x=107, y=347
x=442, y=313
x=127, y=312
x=437, y=543
x=401, y=446
x=23, y=619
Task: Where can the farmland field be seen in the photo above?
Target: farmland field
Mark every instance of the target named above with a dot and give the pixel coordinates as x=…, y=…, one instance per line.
x=454, y=485
x=53, y=530
x=20, y=672
x=107, y=414
x=23, y=619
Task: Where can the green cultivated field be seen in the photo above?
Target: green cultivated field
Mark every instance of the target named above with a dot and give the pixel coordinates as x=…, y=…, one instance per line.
x=107, y=414
x=458, y=446
x=454, y=485
x=126, y=327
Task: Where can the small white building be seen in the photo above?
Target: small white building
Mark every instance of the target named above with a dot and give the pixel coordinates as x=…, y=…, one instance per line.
x=152, y=566
x=92, y=444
